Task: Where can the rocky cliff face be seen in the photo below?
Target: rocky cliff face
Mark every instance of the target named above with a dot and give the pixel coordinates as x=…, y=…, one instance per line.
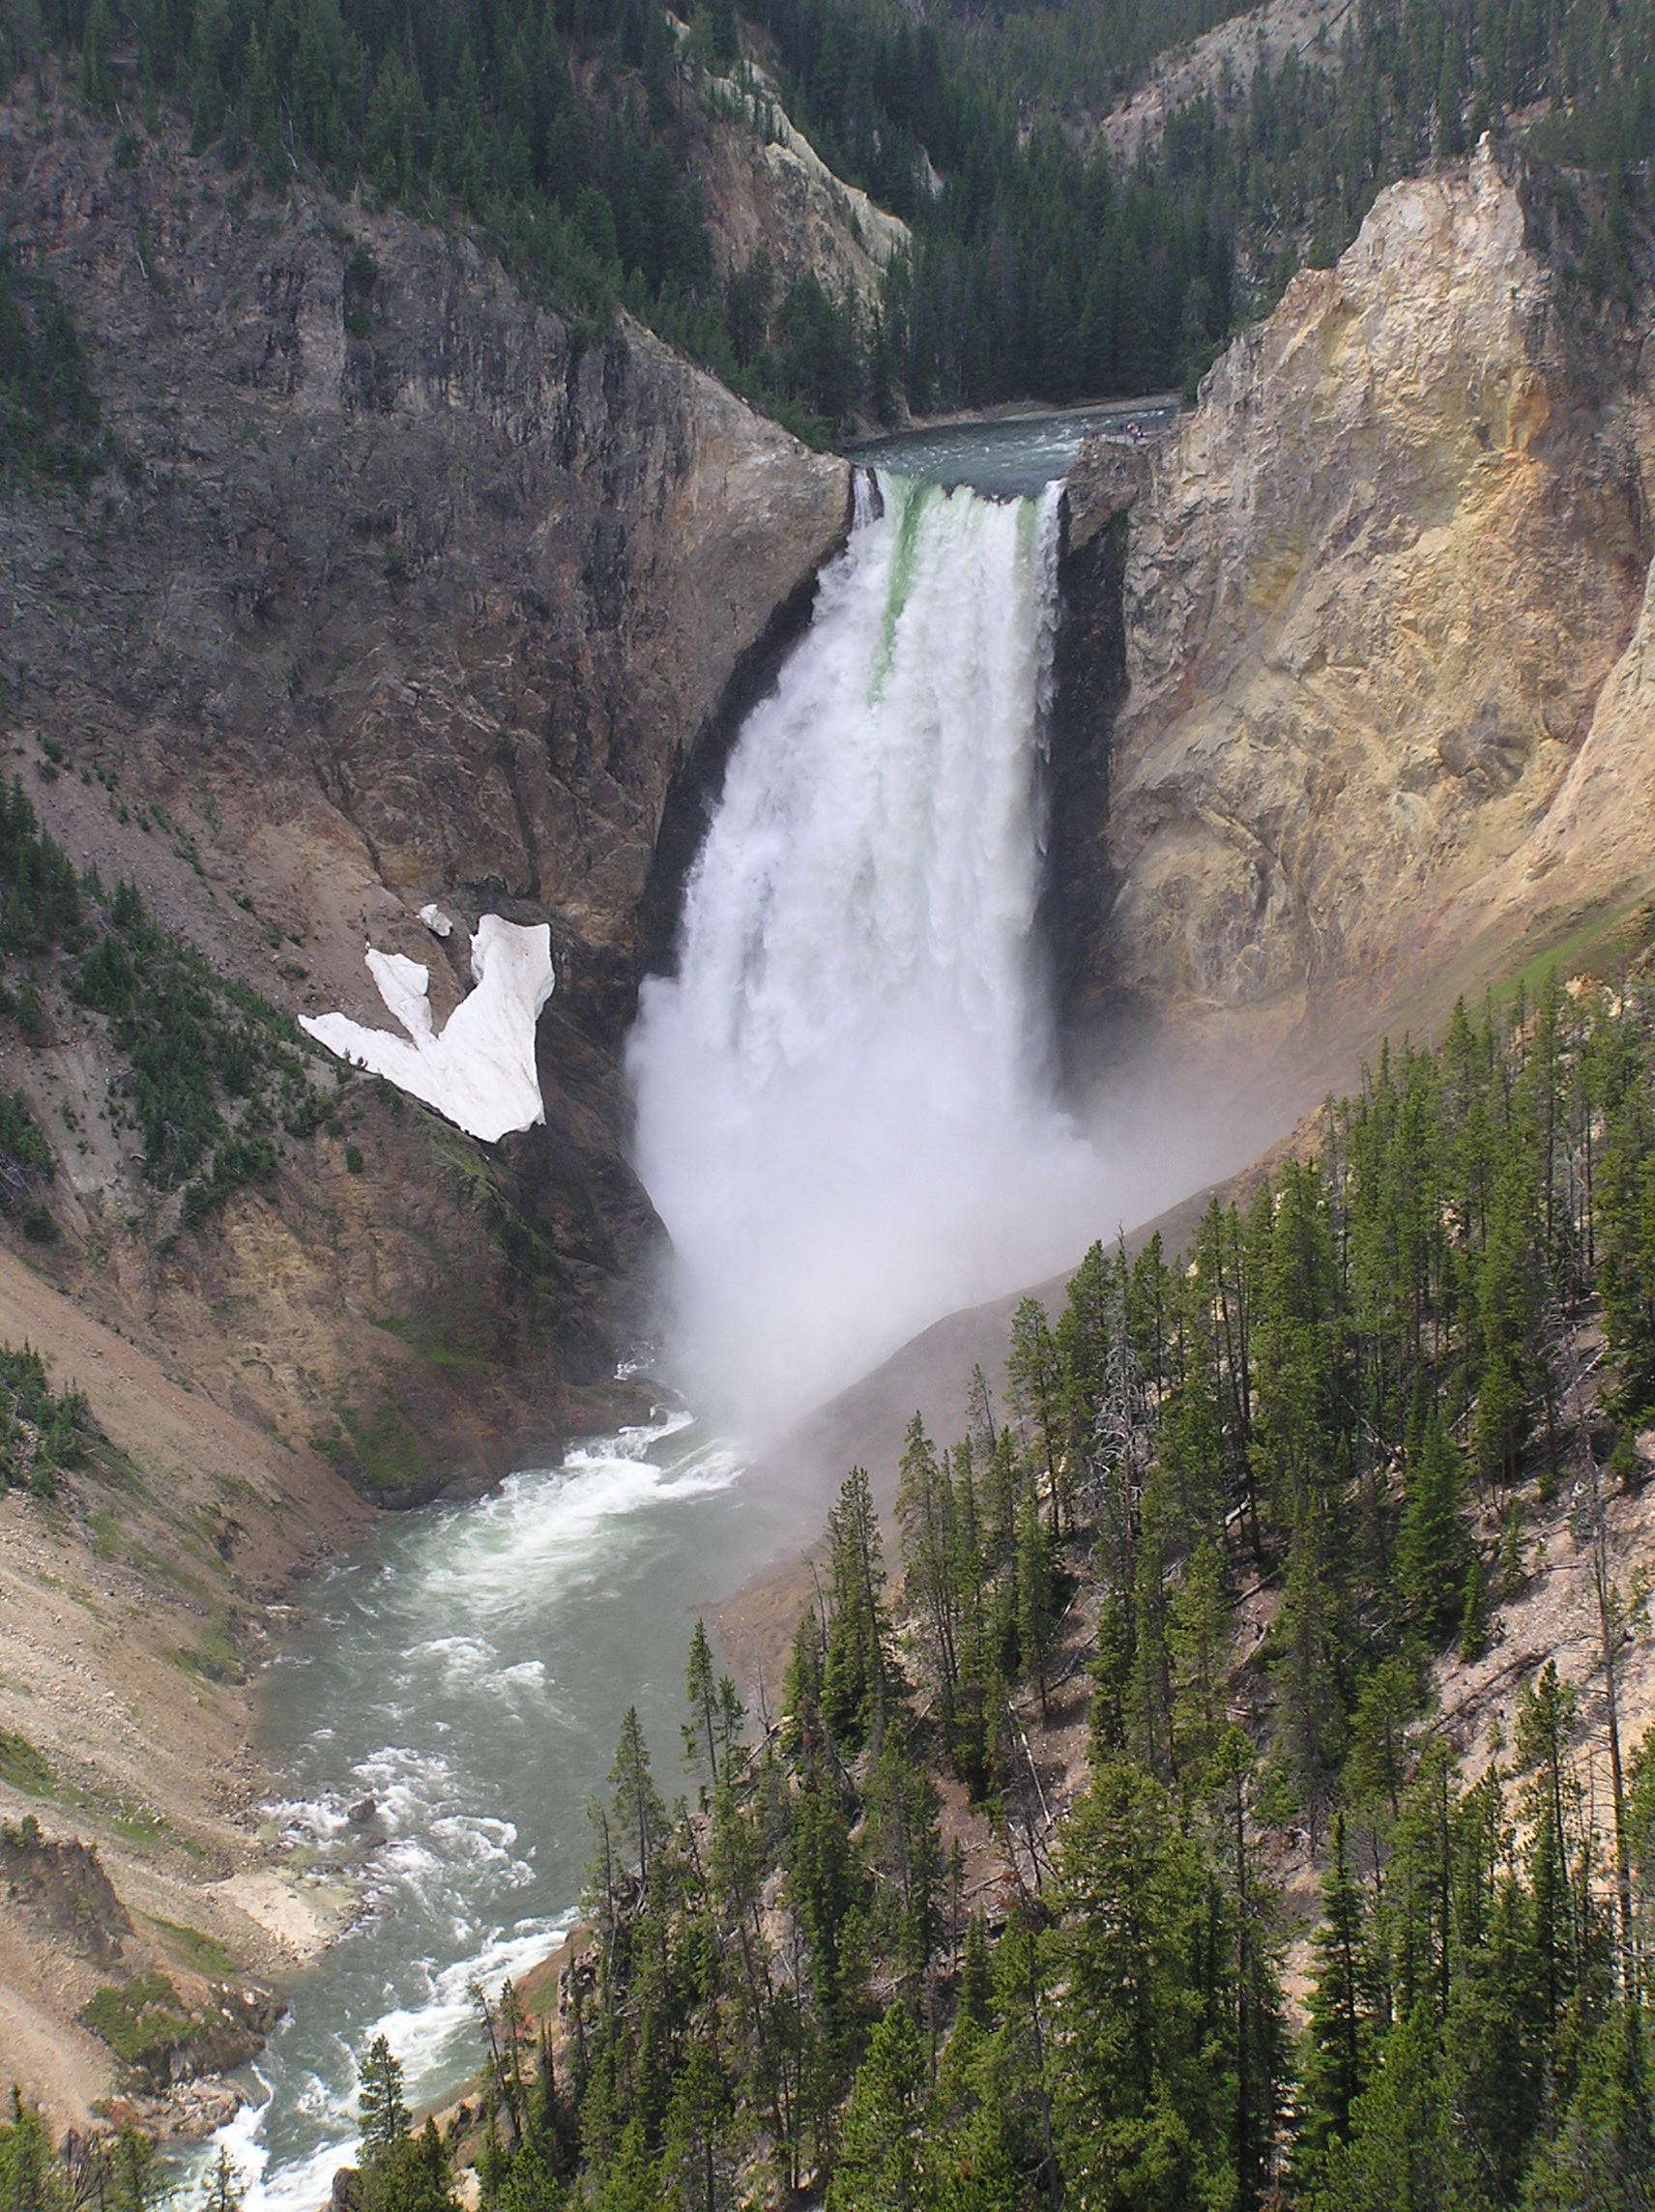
x=765, y=189
x=404, y=593
x=1373, y=592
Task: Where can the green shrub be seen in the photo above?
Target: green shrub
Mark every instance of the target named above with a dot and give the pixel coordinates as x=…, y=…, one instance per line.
x=238, y=1161
x=22, y=1139
x=192, y=1039
x=139, y=2017
x=23, y=1767
x=40, y=1430
x=48, y=410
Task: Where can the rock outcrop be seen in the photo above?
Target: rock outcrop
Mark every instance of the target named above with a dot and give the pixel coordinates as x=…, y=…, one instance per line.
x=766, y=189
x=1219, y=66
x=1376, y=597
x=405, y=591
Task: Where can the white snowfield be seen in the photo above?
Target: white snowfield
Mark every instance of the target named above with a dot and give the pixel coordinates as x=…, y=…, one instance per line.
x=479, y=1070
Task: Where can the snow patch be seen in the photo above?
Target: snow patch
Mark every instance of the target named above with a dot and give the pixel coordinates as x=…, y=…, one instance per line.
x=479, y=1070
x=436, y=920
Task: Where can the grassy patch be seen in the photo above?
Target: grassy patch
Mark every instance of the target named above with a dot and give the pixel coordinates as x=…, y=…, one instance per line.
x=440, y=1347
x=1597, y=946
x=203, y=1954
x=138, y=2019
x=141, y=1824
x=110, y=1542
x=25, y=1768
x=213, y=1656
x=527, y=1251
x=387, y=1449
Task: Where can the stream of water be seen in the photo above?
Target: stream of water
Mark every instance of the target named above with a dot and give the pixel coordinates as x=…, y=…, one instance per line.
x=466, y=1669
x=846, y=1120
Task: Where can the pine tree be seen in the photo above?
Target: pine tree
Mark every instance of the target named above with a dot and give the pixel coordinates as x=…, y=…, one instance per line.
x=1140, y=2087
x=925, y=1510
x=1512, y=1568
x=880, y=2158
x=640, y=1817
x=907, y=1858
x=1307, y=1669
x=1036, y=1597
x=1034, y=1391
x=1545, y=1710
x=976, y=1979
x=1474, y=1615
x=856, y=1667
x=1404, y=2153
x=223, y=2190
x=696, y=2160
x=1338, y=2035
x=1493, y=2037
x=1199, y=1637
x=700, y=1730
x=823, y=1890
x=382, y=2115
x=627, y=2183
x=1603, y=2157
x=1431, y=1545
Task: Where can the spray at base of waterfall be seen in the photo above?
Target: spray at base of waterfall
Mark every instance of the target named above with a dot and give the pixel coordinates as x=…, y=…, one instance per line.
x=847, y=1110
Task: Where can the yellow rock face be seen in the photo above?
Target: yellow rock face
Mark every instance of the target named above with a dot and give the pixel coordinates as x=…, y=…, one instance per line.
x=1374, y=591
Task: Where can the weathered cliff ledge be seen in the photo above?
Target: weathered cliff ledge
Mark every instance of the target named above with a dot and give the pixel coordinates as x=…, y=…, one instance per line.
x=402, y=594
x=1372, y=593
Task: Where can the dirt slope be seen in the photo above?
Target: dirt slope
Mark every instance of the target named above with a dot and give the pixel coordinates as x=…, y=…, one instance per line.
x=134, y=1608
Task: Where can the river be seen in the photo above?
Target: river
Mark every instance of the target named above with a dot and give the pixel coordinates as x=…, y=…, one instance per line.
x=848, y=1122
x=466, y=1669
x=1015, y=456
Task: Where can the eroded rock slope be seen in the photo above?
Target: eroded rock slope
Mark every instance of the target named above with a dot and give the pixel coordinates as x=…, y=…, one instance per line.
x=405, y=593
x=1380, y=609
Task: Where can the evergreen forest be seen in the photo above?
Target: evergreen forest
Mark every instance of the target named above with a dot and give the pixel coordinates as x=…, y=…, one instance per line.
x=1247, y=1515
x=1246, y=1509
x=561, y=130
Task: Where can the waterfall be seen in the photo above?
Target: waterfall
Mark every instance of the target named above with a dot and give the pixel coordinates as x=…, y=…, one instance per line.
x=845, y=1108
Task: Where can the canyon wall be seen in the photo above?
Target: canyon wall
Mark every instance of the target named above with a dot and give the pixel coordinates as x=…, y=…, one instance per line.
x=1380, y=619
x=395, y=590
x=403, y=591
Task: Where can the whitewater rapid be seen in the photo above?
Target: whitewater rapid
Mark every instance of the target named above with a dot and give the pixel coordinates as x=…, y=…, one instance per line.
x=466, y=1670
x=845, y=1094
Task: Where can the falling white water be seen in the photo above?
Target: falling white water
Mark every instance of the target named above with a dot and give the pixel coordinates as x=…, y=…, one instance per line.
x=845, y=1109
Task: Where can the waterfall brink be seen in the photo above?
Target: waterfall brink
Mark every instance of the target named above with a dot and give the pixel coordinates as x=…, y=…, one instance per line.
x=845, y=1106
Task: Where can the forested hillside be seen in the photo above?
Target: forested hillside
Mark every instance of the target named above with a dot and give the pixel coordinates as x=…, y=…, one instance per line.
x=560, y=128
x=1355, y=1394
x=1341, y=1412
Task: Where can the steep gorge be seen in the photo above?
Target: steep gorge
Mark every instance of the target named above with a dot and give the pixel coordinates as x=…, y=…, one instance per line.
x=408, y=593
